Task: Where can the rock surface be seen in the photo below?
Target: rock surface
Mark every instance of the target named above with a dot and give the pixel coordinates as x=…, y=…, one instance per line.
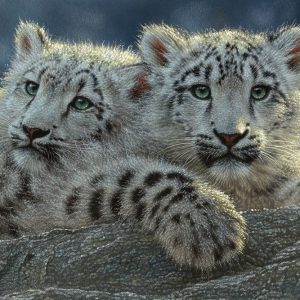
x=116, y=261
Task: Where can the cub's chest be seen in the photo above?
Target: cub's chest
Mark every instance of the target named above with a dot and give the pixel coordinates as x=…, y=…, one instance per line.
x=250, y=197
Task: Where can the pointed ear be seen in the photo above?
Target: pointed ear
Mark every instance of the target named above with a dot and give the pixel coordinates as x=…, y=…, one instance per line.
x=30, y=40
x=159, y=44
x=287, y=40
x=132, y=81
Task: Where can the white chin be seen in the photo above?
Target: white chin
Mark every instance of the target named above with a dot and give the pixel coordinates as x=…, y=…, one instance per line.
x=29, y=160
x=226, y=171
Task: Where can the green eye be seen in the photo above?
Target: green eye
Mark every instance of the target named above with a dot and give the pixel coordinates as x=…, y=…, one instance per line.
x=81, y=103
x=201, y=92
x=31, y=88
x=260, y=92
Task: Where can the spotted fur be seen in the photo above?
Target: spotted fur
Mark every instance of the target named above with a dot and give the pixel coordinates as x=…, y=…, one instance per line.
x=247, y=148
x=66, y=168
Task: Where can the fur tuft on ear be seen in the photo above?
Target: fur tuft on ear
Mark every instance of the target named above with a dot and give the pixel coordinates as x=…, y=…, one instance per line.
x=30, y=40
x=159, y=43
x=287, y=40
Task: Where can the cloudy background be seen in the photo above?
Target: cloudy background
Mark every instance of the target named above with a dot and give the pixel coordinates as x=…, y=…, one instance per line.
x=118, y=21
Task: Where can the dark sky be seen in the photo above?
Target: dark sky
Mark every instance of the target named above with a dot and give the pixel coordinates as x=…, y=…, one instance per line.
x=118, y=21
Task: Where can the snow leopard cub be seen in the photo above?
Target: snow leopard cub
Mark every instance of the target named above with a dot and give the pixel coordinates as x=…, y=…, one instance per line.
x=226, y=105
x=66, y=131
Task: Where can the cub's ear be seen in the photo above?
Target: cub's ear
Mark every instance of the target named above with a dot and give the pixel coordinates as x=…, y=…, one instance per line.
x=159, y=44
x=287, y=40
x=132, y=81
x=30, y=41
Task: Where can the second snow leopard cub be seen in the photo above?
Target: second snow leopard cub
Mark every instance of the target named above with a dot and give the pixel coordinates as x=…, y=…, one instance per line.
x=66, y=130
x=226, y=105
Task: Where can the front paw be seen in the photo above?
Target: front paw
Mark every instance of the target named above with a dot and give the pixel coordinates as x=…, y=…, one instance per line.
x=203, y=230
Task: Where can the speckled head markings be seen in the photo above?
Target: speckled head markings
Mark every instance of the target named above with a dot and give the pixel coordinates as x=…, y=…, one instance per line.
x=226, y=103
x=60, y=96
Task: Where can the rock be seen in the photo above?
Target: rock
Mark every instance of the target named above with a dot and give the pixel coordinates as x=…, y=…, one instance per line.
x=116, y=261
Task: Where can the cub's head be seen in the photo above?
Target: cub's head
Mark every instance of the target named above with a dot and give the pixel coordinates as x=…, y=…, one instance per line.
x=229, y=99
x=61, y=99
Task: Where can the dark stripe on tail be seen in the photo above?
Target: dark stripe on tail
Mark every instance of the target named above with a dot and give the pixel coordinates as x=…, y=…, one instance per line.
x=72, y=201
x=95, y=207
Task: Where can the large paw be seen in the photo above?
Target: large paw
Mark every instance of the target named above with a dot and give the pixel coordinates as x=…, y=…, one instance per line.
x=202, y=230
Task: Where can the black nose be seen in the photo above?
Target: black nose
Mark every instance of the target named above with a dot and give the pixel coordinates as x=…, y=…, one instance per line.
x=230, y=140
x=35, y=133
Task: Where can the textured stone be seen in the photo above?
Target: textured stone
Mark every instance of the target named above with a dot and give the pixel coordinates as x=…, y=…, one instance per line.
x=116, y=261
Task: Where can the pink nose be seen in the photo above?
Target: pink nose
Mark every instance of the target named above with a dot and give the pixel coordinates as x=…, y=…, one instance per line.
x=35, y=133
x=230, y=140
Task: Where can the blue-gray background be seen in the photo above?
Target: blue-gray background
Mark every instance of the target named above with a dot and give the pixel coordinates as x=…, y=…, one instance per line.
x=118, y=21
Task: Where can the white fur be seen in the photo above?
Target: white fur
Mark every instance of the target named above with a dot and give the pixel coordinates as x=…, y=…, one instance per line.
x=178, y=129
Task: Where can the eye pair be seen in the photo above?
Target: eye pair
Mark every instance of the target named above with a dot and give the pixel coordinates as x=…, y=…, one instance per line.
x=80, y=103
x=203, y=92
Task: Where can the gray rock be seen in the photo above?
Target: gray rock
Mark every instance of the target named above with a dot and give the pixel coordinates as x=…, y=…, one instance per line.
x=116, y=261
